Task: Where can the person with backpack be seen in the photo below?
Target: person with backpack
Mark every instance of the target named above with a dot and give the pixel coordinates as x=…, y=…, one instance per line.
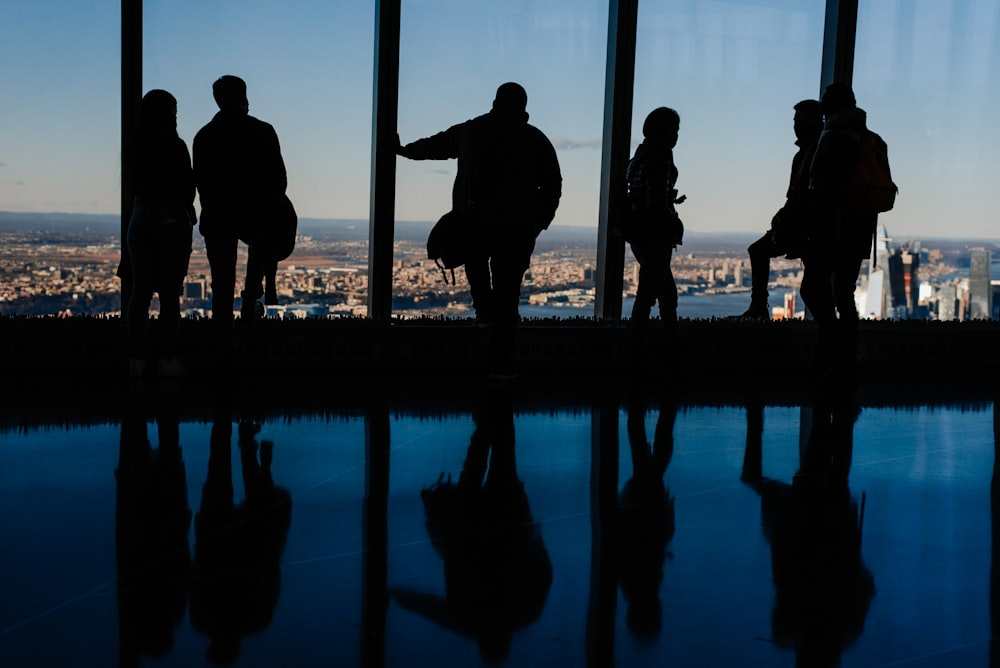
x=507, y=188
x=850, y=184
x=653, y=227
x=241, y=181
x=788, y=226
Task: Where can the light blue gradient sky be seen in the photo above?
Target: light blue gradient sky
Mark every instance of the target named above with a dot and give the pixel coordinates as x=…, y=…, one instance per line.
x=926, y=71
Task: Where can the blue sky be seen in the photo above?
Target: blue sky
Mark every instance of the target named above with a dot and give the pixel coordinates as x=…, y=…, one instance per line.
x=926, y=71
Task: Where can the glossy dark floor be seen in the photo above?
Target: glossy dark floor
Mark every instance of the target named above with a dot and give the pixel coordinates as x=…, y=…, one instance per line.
x=631, y=529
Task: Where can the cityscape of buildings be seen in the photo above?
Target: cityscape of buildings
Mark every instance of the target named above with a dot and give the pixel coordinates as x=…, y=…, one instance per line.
x=72, y=271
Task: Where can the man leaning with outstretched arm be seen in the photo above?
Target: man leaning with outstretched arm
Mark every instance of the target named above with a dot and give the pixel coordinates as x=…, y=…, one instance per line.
x=507, y=186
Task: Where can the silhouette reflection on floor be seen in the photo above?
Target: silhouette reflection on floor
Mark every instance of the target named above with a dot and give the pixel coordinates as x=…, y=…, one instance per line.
x=636, y=526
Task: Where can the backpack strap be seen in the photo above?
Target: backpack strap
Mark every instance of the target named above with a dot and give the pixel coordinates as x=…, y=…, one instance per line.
x=444, y=271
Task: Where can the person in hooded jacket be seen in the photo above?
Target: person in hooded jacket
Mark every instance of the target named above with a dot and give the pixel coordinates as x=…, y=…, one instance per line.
x=507, y=187
x=656, y=229
x=840, y=236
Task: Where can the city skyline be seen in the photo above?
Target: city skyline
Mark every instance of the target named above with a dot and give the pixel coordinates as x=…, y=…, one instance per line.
x=66, y=265
x=732, y=69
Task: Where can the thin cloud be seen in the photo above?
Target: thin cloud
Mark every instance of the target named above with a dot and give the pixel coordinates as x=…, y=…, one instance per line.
x=439, y=171
x=566, y=144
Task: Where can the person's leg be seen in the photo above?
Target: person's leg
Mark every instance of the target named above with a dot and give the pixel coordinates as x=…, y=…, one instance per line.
x=258, y=259
x=817, y=294
x=510, y=259
x=650, y=281
x=477, y=272
x=656, y=282
x=174, y=253
x=761, y=252
x=845, y=278
x=143, y=260
x=221, y=251
x=669, y=340
x=667, y=293
x=650, y=277
x=271, y=282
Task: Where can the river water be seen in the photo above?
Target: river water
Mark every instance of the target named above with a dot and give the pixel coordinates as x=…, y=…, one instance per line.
x=688, y=306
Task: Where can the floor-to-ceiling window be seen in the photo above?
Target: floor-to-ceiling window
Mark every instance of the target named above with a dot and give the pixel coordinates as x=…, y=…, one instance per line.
x=925, y=72
x=59, y=137
x=452, y=58
x=59, y=154
x=733, y=70
x=308, y=68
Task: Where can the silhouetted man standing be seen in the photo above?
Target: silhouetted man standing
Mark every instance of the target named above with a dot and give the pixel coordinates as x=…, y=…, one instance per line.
x=507, y=187
x=240, y=177
x=840, y=236
x=787, y=235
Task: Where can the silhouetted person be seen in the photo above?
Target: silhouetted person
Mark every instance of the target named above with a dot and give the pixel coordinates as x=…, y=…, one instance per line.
x=241, y=180
x=158, y=240
x=237, y=575
x=151, y=535
x=652, y=196
x=787, y=235
x=840, y=237
x=507, y=186
x=646, y=517
x=823, y=589
x=496, y=568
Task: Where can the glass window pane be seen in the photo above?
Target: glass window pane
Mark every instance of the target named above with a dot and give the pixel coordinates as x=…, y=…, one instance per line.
x=733, y=70
x=308, y=68
x=61, y=116
x=925, y=72
x=453, y=55
x=60, y=155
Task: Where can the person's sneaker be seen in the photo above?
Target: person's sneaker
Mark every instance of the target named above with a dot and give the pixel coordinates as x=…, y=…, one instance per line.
x=251, y=308
x=136, y=367
x=502, y=374
x=270, y=296
x=170, y=368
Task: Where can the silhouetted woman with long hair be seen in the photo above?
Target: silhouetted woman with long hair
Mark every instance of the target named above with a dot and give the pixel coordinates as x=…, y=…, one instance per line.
x=159, y=233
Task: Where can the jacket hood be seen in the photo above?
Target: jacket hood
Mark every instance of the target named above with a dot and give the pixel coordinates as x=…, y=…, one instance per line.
x=850, y=119
x=509, y=118
x=649, y=146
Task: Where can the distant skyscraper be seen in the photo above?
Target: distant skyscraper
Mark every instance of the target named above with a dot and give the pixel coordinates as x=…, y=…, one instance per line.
x=875, y=303
x=789, y=305
x=947, y=302
x=980, y=289
x=904, y=282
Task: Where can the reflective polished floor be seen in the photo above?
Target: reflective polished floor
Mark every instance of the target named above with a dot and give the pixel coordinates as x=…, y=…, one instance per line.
x=646, y=528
